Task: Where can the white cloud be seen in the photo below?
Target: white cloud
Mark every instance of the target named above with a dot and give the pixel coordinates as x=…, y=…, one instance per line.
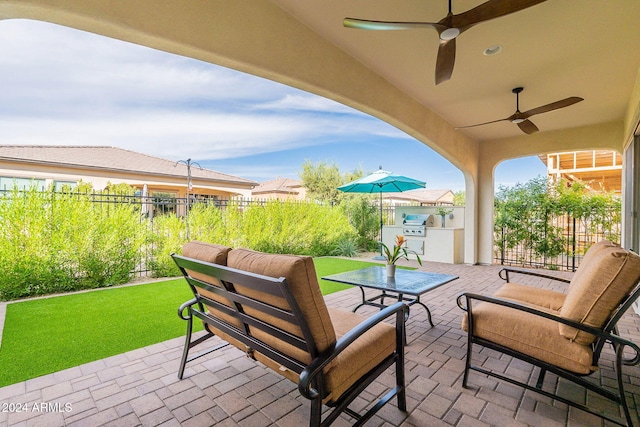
x=51, y=66
x=166, y=133
x=300, y=102
x=66, y=87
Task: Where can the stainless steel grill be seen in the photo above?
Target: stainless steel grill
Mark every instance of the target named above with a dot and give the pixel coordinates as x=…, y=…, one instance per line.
x=415, y=225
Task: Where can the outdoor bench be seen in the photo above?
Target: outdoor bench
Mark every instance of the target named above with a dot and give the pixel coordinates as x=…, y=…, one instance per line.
x=270, y=307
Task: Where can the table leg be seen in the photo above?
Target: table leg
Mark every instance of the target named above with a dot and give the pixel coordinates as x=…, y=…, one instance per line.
x=364, y=301
x=417, y=301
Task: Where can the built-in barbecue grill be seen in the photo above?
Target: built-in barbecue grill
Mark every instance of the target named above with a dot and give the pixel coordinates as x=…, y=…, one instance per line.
x=415, y=224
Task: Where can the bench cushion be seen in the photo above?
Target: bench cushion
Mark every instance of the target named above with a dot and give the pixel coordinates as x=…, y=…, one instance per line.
x=300, y=273
x=363, y=354
x=215, y=254
x=208, y=252
x=603, y=279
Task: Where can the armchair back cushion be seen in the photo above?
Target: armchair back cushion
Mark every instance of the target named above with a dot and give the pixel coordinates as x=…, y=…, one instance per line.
x=607, y=274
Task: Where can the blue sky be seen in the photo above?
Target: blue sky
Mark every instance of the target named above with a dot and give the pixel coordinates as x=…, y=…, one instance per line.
x=66, y=87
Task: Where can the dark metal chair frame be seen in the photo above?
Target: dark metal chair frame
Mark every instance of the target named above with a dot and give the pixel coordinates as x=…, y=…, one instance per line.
x=311, y=383
x=607, y=334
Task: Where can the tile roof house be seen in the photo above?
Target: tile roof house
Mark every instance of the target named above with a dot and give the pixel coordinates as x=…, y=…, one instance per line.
x=281, y=189
x=100, y=165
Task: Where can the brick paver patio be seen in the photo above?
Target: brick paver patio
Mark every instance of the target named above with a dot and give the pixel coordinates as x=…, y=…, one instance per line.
x=226, y=388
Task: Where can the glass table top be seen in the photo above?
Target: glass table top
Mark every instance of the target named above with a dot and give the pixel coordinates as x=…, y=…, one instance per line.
x=405, y=281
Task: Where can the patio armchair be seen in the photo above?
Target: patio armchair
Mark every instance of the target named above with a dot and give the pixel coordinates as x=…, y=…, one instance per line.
x=562, y=333
x=270, y=307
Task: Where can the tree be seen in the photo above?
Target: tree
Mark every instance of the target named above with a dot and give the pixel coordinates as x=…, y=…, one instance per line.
x=524, y=210
x=525, y=213
x=459, y=198
x=321, y=181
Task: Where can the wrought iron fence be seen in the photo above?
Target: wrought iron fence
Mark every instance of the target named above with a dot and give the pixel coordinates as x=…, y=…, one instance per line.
x=574, y=235
x=560, y=243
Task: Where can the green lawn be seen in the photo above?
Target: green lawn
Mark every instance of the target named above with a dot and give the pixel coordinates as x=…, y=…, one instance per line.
x=47, y=335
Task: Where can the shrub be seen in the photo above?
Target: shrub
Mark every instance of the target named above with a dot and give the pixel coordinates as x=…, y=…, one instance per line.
x=57, y=242
x=295, y=228
x=364, y=218
x=167, y=237
x=346, y=247
x=275, y=227
x=544, y=222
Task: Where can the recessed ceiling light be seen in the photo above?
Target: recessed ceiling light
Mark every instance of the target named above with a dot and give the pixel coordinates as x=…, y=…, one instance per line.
x=493, y=50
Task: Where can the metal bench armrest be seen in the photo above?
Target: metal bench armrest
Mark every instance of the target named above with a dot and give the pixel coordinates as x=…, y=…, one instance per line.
x=309, y=374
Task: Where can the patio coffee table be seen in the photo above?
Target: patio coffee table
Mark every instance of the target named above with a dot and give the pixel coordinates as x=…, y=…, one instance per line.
x=405, y=282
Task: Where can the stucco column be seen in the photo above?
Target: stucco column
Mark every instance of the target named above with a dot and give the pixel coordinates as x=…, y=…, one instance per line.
x=471, y=219
x=484, y=201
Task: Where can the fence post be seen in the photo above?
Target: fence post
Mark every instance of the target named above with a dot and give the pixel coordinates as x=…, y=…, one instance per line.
x=502, y=247
x=573, y=248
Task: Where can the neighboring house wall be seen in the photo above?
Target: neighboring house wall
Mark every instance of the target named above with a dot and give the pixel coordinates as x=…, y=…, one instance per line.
x=101, y=166
x=280, y=189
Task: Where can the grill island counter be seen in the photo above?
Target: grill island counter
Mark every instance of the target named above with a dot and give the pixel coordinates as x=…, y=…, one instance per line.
x=422, y=228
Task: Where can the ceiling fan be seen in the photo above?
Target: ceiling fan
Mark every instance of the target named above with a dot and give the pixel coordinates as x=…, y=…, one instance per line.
x=522, y=118
x=449, y=27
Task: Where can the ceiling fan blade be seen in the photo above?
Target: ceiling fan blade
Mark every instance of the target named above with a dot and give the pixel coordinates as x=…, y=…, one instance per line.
x=366, y=24
x=445, y=61
x=528, y=127
x=490, y=10
x=553, y=106
x=485, y=123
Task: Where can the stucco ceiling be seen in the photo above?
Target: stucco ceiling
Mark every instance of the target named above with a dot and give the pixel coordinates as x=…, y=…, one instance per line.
x=556, y=49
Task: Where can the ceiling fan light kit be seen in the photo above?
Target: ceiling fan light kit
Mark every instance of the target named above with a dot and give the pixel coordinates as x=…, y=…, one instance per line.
x=449, y=34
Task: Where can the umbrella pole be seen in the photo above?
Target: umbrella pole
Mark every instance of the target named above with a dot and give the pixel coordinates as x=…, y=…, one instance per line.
x=381, y=223
x=380, y=257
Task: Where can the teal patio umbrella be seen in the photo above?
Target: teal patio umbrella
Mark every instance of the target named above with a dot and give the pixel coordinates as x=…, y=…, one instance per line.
x=382, y=181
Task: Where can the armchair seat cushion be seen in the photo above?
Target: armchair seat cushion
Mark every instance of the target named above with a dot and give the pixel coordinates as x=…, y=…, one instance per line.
x=530, y=334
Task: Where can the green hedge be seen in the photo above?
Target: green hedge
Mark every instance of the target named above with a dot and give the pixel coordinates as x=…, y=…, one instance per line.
x=275, y=227
x=57, y=242
x=54, y=242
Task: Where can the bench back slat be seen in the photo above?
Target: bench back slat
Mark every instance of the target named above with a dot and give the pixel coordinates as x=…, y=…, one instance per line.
x=260, y=326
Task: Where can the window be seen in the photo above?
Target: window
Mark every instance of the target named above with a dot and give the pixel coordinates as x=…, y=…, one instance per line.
x=9, y=183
